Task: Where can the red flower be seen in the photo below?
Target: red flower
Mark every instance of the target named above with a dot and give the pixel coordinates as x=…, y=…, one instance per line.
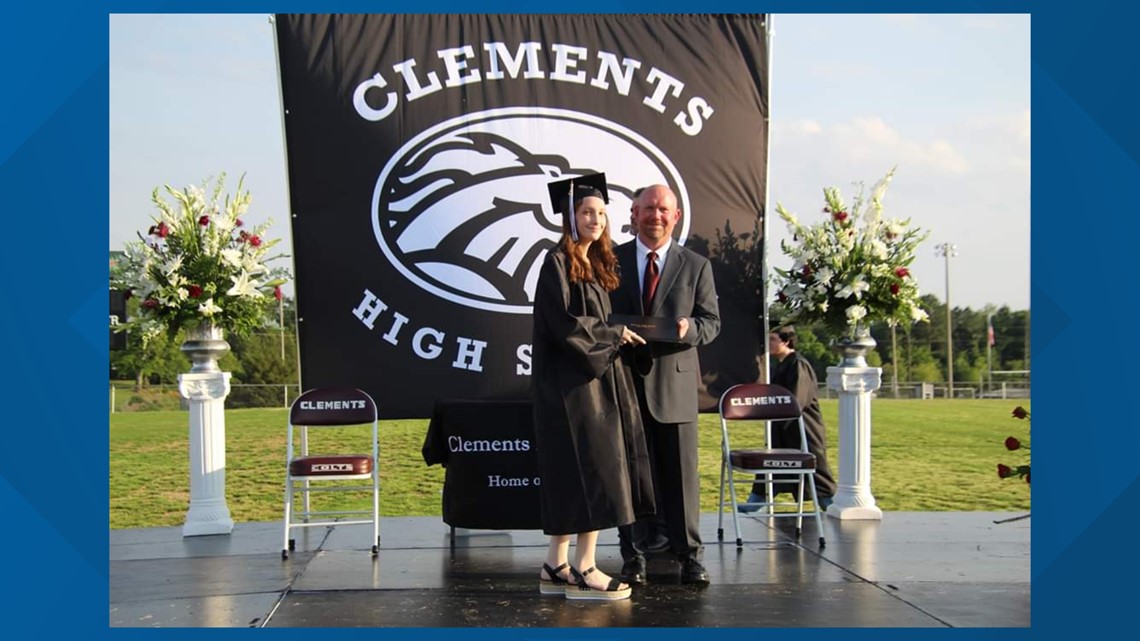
x=902, y=272
x=150, y=303
x=807, y=271
x=840, y=216
x=255, y=241
x=1012, y=443
x=895, y=289
x=204, y=221
x=195, y=291
x=160, y=230
x=237, y=222
x=277, y=292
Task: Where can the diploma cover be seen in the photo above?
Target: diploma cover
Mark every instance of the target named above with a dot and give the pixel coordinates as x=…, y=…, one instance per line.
x=651, y=328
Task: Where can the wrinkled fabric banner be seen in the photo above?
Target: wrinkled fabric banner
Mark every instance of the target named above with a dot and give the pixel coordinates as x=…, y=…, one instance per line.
x=419, y=148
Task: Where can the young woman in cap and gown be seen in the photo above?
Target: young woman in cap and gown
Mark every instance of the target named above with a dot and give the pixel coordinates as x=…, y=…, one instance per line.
x=589, y=439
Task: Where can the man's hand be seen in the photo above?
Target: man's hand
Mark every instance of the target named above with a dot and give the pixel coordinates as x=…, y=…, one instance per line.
x=682, y=327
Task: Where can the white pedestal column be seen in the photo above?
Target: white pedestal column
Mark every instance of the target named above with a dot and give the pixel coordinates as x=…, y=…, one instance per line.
x=853, y=499
x=208, y=513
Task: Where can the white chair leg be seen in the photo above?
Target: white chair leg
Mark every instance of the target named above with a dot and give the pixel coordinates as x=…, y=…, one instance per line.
x=288, y=515
x=800, y=506
x=375, y=511
x=720, y=504
x=735, y=511
x=818, y=515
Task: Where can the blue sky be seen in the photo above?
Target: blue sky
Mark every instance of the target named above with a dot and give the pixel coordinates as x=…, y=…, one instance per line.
x=946, y=98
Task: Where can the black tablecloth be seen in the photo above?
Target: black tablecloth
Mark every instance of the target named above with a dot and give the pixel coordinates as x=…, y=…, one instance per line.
x=487, y=447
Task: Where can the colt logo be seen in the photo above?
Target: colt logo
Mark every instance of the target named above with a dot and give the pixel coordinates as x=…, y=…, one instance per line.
x=462, y=210
x=783, y=464
x=332, y=467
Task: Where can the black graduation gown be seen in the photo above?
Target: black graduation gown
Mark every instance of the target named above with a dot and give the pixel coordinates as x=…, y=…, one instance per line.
x=795, y=374
x=590, y=443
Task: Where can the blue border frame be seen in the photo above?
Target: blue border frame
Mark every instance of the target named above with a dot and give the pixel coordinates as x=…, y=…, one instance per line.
x=54, y=182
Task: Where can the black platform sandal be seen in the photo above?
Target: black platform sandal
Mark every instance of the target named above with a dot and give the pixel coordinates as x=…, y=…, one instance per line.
x=555, y=585
x=582, y=591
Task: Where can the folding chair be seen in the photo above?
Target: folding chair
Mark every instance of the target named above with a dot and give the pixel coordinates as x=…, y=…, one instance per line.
x=326, y=409
x=762, y=402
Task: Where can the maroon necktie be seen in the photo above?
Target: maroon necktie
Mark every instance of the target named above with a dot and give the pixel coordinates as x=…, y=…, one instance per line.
x=652, y=275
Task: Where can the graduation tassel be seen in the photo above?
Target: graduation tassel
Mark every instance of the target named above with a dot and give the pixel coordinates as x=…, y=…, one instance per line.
x=573, y=216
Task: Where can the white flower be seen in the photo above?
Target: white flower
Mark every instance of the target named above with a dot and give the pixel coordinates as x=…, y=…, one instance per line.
x=196, y=246
x=243, y=286
x=209, y=308
x=231, y=257
x=846, y=267
x=856, y=288
x=878, y=249
x=893, y=229
x=875, y=206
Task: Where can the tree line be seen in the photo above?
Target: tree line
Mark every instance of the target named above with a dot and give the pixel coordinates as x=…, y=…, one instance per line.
x=267, y=357
x=922, y=351
x=270, y=357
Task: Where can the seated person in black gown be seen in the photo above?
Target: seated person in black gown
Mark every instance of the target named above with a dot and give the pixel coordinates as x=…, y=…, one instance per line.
x=794, y=373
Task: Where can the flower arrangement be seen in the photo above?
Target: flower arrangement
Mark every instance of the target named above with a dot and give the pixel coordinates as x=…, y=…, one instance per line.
x=199, y=265
x=1013, y=444
x=853, y=267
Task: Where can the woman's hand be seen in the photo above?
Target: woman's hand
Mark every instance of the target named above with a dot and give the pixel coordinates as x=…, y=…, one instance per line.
x=629, y=337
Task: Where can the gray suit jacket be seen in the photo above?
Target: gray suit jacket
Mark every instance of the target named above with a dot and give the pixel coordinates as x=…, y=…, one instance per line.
x=671, y=372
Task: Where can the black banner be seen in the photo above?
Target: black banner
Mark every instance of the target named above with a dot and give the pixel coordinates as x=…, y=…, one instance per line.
x=118, y=309
x=419, y=149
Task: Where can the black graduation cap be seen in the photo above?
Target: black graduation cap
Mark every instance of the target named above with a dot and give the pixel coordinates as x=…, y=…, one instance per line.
x=564, y=193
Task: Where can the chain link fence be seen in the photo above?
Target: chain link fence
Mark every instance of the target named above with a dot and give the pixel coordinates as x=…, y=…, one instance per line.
x=124, y=397
x=924, y=390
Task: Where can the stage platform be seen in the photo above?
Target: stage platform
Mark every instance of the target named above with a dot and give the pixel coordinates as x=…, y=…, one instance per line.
x=912, y=569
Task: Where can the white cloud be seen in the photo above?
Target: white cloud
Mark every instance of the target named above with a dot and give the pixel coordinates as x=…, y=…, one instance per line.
x=872, y=141
x=876, y=131
x=797, y=126
x=943, y=155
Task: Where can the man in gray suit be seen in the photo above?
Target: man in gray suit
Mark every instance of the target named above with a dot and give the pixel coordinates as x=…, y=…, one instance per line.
x=661, y=278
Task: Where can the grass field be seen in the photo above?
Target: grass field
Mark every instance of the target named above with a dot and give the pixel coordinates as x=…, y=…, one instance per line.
x=927, y=455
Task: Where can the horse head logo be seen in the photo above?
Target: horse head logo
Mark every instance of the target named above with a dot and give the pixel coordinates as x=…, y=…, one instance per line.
x=462, y=209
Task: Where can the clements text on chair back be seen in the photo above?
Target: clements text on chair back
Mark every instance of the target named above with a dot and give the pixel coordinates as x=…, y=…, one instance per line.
x=763, y=402
x=319, y=462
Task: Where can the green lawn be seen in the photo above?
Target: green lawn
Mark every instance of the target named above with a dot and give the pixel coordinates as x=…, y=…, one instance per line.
x=926, y=455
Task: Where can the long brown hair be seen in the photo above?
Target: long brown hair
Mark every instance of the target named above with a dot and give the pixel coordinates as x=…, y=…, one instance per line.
x=600, y=264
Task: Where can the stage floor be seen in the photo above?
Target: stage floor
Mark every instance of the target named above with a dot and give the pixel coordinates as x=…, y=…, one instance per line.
x=912, y=569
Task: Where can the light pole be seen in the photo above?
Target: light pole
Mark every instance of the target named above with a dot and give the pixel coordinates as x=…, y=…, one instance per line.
x=948, y=251
x=281, y=322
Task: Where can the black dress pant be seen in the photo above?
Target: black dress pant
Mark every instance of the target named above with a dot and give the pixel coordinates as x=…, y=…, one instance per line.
x=673, y=454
